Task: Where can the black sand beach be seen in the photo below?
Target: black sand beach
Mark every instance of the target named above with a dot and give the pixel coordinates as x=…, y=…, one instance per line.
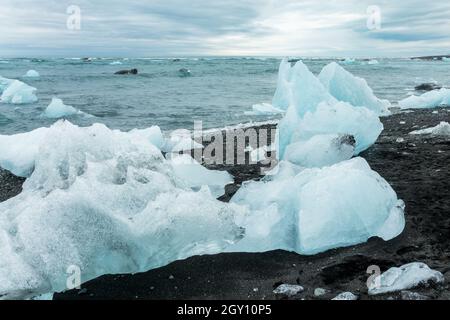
x=415, y=166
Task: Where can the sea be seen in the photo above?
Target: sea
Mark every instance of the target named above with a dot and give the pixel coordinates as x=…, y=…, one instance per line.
x=219, y=91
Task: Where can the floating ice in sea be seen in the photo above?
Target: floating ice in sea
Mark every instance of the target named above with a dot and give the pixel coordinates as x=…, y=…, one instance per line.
x=32, y=74
x=348, y=61
x=57, y=109
x=429, y=99
x=373, y=61
x=16, y=92
x=346, y=87
x=406, y=277
x=323, y=209
x=106, y=202
x=442, y=129
x=114, y=63
x=263, y=109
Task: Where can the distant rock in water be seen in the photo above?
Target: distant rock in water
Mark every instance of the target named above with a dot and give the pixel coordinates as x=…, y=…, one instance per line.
x=176, y=60
x=184, y=72
x=132, y=71
x=428, y=87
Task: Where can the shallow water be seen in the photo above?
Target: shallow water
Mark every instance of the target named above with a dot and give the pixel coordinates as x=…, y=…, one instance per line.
x=218, y=92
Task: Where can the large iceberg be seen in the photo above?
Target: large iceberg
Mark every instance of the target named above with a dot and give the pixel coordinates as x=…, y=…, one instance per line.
x=335, y=206
x=106, y=202
x=16, y=92
x=346, y=87
x=57, y=109
x=429, y=99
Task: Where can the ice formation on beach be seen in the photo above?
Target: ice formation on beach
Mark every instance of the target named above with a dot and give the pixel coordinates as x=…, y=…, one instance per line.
x=16, y=92
x=107, y=202
x=57, y=109
x=322, y=209
x=336, y=102
x=32, y=74
x=406, y=277
x=431, y=99
x=180, y=140
x=442, y=129
x=346, y=87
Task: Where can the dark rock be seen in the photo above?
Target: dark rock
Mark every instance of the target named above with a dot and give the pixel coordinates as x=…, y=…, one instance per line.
x=428, y=87
x=132, y=71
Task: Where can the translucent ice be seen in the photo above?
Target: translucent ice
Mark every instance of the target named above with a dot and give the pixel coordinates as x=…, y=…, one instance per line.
x=180, y=140
x=339, y=118
x=346, y=87
x=16, y=92
x=336, y=206
x=32, y=74
x=429, y=99
x=57, y=109
x=299, y=88
x=263, y=109
x=406, y=277
x=103, y=201
x=442, y=129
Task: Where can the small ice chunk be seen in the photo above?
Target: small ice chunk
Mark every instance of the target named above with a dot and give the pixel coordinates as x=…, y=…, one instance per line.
x=442, y=129
x=348, y=61
x=16, y=92
x=57, y=109
x=406, y=277
x=346, y=87
x=288, y=290
x=345, y=296
x=264, y=109
x=400, y=140
x=430, y=99
x=373, y=61
x=32, y=74
x=318, y=292
x=114, y=63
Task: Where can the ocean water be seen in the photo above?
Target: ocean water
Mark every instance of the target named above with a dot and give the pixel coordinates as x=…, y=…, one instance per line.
x=219, y=91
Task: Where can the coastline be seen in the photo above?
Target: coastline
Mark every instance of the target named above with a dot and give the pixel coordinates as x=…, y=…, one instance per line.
x=414, y=168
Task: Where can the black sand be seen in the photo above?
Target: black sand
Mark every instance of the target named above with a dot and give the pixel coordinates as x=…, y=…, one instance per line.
x=418, y=170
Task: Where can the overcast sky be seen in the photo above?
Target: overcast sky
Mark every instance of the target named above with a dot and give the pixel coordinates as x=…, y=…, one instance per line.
x=214, y=27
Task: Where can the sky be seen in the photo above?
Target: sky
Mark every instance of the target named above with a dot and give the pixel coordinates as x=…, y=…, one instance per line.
x=150, y=28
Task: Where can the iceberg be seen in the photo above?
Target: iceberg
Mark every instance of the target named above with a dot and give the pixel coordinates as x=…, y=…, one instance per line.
x=57, y=109
x=16, y=92
x=324, y=209
x=346, y=87
x=114, y=63
x=406, y=277
x=196, y=176
x=298, y=88
x=321, y=150
x=348, y=61
x=442, y=129
x=340, y=118
x=372, y=62
x=431, y=99
x=105, y=202
x=180, y=140
x=32, y=74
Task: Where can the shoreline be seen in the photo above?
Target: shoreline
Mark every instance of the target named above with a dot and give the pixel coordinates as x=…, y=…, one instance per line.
x=413, y=168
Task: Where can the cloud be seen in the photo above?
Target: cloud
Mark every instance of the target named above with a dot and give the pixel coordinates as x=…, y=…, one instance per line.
x=232, y=27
